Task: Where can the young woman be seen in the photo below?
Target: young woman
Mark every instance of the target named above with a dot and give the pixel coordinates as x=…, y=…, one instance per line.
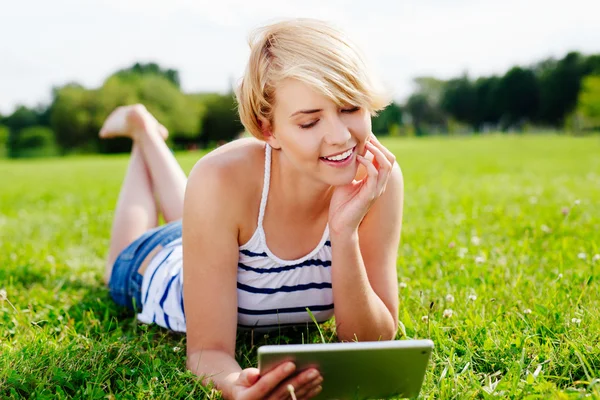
x=307, y=214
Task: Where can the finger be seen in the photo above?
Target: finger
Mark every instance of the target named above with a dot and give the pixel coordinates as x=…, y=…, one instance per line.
x=250, y=376
x=382, y=160
x=299, y=382
x=314, y=392
x=303, y=392
x=384, y=168
x=268, y=382
x=388, y=154
x=371, y=179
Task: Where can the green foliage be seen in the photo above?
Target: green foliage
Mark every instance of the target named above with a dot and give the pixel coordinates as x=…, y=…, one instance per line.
x=518, y=93
x=523, y=98
x=459, y=99
x=72, y=118
x=559, y=83
x=153, y=69
x=423, y=106
x=33, y=141
x=488, y=109
x=22, y=117
x=77, y=113
x=220, y=121
x=430, y=87
x=4, y=134
x=588, y=104
x=388, y=120
x=511, y=220
x=425, y=114
x=178, y=112
x=542, y=95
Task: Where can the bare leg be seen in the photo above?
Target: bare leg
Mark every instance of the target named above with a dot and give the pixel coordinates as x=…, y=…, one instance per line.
x=168, y=179
x=136, y=210
x=153, y=171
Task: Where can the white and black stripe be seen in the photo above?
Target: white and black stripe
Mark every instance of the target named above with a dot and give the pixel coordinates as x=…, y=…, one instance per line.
x=272, y=293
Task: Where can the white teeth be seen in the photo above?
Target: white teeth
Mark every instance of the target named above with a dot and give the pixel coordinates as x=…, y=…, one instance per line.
x=340, y=156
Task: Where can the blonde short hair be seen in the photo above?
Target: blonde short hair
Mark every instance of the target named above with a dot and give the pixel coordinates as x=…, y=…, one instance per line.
x=313, y=52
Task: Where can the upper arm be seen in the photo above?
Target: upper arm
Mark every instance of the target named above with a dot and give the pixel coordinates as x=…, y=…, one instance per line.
x=379, y=238
x=210, y=256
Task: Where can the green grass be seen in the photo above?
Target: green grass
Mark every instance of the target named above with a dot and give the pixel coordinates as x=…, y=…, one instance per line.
x=519, y=338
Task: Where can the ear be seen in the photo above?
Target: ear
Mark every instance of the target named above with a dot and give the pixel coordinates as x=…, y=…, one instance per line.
x=267, y=131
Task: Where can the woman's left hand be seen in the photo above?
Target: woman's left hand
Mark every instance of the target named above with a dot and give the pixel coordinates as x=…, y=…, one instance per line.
x=350, y=203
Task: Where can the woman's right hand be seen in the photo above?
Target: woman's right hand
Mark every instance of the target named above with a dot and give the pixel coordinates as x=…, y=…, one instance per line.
x=274, y=384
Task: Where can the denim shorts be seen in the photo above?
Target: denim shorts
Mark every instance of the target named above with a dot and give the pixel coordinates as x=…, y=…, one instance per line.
x=125, y=284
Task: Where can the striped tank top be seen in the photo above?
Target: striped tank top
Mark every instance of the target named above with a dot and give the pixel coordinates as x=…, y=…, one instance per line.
x=271, y=292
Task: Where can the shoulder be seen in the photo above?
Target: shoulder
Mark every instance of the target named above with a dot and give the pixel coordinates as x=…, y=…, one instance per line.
x=232, y=167
x=225, y=183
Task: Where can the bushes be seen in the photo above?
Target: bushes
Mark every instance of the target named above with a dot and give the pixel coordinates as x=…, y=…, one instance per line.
x=220, y=121
x=35, y=141
x=3, y=140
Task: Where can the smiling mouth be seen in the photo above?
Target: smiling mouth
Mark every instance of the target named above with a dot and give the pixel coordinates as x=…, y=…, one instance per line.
x=340, y=157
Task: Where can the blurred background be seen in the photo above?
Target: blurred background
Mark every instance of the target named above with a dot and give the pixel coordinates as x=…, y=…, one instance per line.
x=457, y=67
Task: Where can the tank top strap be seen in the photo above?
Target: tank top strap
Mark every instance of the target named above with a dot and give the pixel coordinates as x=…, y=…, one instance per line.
x=266, y=183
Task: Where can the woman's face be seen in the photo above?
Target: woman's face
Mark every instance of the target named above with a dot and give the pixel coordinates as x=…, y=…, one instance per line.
x=317, y=136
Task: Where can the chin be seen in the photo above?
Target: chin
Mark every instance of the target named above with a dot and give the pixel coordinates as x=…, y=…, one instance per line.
x=341, y=179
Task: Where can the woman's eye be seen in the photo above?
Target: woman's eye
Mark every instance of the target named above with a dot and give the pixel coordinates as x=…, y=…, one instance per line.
x=350, y=110
x=309, y=125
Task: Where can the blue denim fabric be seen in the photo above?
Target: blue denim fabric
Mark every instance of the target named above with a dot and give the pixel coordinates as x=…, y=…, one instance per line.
x=125, y=283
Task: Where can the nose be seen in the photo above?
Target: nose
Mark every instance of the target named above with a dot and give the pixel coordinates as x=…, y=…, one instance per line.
x=337, y=132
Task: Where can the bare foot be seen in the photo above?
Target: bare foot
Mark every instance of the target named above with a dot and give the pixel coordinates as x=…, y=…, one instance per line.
x=125, y=121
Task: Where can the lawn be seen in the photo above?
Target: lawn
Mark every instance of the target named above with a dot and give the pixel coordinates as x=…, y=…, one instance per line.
x=498, y=265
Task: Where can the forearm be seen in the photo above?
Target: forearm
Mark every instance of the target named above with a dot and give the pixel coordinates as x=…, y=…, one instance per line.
x=216, y=366
x=359, y=312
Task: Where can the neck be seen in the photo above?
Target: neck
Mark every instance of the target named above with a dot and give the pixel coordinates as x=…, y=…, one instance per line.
x=306, y=197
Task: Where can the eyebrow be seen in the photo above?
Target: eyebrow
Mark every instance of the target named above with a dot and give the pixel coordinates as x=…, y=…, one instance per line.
x=306, y=112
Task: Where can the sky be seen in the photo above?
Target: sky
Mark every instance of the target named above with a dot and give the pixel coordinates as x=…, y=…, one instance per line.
x=44, y=44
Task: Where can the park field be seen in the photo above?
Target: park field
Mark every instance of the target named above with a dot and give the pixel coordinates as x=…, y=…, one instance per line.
x=498, y=265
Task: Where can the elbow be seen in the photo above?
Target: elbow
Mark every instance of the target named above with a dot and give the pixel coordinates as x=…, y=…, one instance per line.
x=384, y=332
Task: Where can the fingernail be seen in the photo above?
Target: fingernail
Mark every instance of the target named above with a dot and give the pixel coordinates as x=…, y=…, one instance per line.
x=313, y=374
x=289, y=368
x=318, y=389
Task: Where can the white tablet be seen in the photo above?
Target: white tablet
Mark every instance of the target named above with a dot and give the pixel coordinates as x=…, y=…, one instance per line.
x=360, y=370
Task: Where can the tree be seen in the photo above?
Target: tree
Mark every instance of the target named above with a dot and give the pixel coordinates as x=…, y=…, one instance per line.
x=21, y=118
x=33, y=141
x=72, y=118
x=178, y=112
x=459, y=99
x=4, y=133
x=592, y=65
x=141, y=69
x=488, y=109
x=423, y=106
x=77, y=113
x=559, y=83
x=588, y=102
x=221, y=121
x=424, y=114
x=518, y=93
x=432, y=88
x=384, y=122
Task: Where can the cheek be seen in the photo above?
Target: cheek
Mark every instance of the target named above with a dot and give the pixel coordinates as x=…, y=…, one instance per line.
x=361, y=127
x=302, y=146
